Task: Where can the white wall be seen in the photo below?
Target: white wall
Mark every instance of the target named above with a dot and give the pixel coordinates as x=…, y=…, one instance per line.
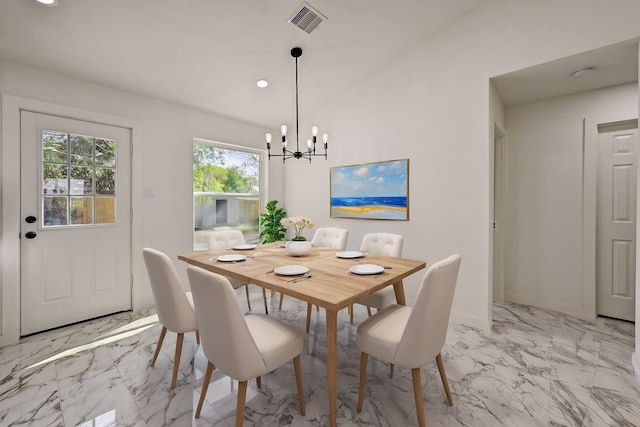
x=432, y=106
x=162, y=137
x=543, y=245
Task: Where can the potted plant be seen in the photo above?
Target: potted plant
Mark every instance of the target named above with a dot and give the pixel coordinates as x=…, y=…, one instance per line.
x=298, y=246
x=271, y=230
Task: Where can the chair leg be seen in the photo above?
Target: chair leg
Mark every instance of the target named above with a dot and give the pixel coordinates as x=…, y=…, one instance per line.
x=159, y=345
x=364, y=357
x=264, y=298
x=259, y=382
x=246, y=288
x=309, y=308
x=369, y=311
x=296, y=364
x=351, y=314
x=280, y=305
x=318, y=308
x=443, y=377
x=176, y=360
x=205, y=387
x=197, y=336
x=417, y=394
x=390, y=370
x=242, y=397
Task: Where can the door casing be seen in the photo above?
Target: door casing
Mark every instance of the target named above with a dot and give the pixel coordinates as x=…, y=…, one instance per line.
x=10, y=262
x=87, y=267
x=588, y=309
x=616, y=219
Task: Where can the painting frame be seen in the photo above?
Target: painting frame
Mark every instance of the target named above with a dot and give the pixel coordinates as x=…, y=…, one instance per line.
x=374, y=190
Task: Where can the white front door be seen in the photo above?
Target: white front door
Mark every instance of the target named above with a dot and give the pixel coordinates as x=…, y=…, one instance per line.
x=75, y=221
x=616, y=223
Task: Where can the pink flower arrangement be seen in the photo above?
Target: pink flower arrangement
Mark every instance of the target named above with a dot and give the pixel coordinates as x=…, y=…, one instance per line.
x=298, y=223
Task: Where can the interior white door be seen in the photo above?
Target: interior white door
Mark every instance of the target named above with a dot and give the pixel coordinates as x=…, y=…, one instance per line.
x=76, y=221
x=616, y=223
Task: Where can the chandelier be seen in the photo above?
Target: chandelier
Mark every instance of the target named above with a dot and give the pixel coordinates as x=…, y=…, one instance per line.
x=310, y=152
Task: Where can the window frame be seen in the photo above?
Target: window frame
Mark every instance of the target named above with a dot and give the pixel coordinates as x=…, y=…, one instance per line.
x=262, y=176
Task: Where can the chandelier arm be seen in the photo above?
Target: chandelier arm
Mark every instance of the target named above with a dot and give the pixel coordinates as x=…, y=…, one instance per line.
x=285, y=153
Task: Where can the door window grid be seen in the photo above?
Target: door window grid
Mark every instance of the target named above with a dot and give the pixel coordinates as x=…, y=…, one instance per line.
x=78, y=179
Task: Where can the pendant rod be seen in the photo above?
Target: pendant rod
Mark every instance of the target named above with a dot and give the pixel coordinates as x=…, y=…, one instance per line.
x=297, y=125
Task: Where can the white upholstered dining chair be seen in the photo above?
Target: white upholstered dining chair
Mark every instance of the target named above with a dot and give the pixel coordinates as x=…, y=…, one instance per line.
x=330, y=237
x=225, y=239
x=243, y=347
x=385, y=244
x=411, y=337
x=173, y=305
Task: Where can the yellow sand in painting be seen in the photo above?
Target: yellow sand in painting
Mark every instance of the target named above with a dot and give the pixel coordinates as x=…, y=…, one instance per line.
x=366, y=210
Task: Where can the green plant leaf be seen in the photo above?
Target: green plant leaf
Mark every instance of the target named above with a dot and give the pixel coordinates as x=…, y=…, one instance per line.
x=270, y=228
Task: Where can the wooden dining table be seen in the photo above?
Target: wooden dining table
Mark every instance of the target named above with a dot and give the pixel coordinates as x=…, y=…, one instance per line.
x=329, y=284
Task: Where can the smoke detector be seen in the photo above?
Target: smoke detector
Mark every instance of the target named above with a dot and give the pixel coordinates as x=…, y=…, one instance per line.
x=582, y=72
x=306, y=17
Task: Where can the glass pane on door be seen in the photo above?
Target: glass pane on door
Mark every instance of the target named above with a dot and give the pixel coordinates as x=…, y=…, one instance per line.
x=77, y=172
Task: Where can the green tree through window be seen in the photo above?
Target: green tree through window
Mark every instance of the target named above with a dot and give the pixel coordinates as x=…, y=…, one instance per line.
x=226, y=188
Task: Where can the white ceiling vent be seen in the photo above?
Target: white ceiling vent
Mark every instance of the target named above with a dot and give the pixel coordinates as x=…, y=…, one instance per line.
x=306, y=17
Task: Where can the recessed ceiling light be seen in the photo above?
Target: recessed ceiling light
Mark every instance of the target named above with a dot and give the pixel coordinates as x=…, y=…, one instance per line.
x=582, y=72
x=262, y=83
x=48, y=2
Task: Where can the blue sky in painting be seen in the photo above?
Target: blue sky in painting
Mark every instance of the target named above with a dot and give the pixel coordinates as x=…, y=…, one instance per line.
x=370, y=180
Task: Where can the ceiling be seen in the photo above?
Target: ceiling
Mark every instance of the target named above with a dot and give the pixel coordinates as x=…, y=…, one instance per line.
x=208, y=54
x=612, y=65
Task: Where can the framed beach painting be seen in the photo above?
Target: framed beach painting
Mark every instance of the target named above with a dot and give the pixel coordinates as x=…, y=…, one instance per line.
x=377, y=190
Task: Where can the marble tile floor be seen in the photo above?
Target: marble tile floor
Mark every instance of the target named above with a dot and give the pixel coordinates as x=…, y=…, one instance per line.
x=535, y=368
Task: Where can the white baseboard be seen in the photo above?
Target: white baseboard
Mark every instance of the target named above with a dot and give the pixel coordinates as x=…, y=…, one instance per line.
x=571, y=310
x=472, y=322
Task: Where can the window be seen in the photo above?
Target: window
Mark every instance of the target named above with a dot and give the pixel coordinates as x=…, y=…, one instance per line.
x=78, y=179
x=227, y=190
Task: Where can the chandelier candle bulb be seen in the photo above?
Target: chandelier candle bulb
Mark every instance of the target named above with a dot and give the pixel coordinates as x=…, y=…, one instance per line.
x=283, y=132
x=325, y=139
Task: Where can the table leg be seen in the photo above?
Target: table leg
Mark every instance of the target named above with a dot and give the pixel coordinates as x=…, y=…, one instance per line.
x=332, y=362
x=399, y=290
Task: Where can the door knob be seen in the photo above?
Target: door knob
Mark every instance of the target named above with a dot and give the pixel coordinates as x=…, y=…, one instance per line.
x=30, y=219
x=30, y=234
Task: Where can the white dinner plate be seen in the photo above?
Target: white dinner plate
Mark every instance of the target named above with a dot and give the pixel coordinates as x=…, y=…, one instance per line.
x=366, y=269
x=232, y=258
x=291, y=270
x=349, y=254
x=245, y=247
